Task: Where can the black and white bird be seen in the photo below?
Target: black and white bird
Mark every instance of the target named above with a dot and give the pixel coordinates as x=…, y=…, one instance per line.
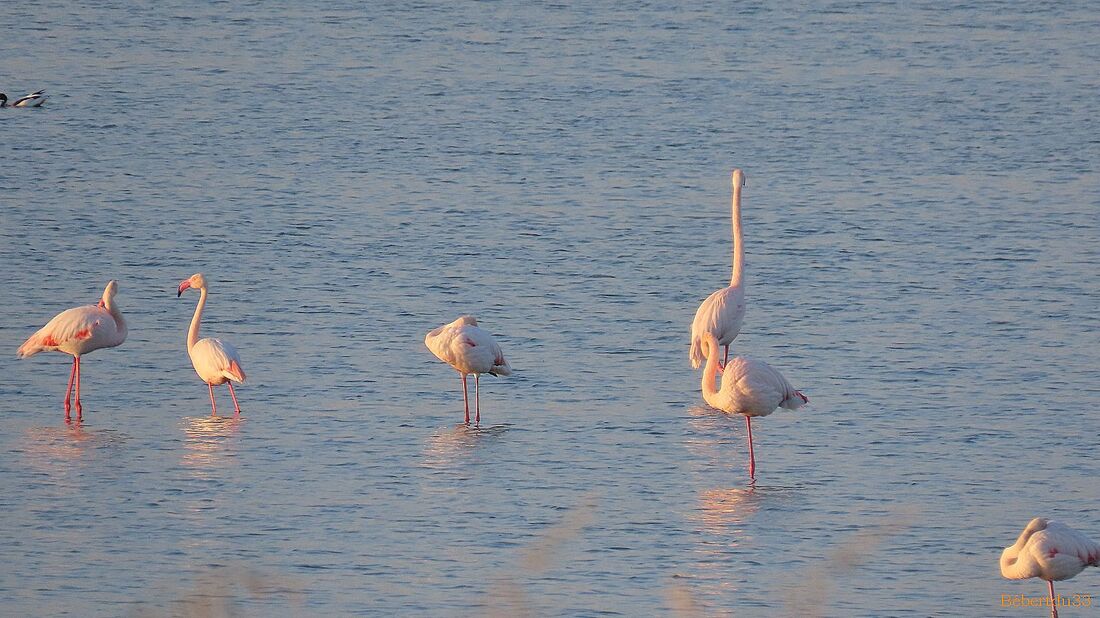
x=34, y=99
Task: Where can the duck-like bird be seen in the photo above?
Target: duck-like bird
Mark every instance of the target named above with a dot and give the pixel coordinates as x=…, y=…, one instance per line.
x=34, y=99
x=469, y=349
x=78, y=331
x=1049, y=550
x=216, y=361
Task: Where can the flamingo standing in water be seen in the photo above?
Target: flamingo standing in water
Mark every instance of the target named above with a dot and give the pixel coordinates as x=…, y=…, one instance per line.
x=78, y=331
x=216, y=361
x=722, y=312
x=469, y=349
x=1049, y=550
x=749, y=387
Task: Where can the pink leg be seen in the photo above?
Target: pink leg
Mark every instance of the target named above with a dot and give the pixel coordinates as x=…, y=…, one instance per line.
x=1053, y=600
x=752, y=457
x=69, y=390
x=477, y=397
x=234, y=396
x=78, y=408
x=213, y=406
x=465, y=399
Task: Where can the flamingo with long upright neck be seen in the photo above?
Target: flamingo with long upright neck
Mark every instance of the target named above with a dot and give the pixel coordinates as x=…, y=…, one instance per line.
x=723, y=311
x=216, y=361
x=749, y=387
x=1049, y=550
x=78, y=331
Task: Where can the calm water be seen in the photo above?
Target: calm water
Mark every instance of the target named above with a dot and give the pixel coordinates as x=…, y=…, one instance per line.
x=922, y=240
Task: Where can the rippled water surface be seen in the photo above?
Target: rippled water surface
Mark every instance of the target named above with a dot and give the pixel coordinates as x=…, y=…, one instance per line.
x=922, y=250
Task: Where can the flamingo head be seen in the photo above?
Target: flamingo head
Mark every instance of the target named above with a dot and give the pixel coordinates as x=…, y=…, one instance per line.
x=196, y=281
x=3, y=99
x=109, y=293
x=738, y=179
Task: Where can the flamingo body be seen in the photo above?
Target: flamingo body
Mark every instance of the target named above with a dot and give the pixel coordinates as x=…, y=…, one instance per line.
x=216, y=361
x=721, y=315
x=78, y=331
x=469, y=349
x=723, y=311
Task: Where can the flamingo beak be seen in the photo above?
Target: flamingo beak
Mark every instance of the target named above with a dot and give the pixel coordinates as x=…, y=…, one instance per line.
x=183, y=286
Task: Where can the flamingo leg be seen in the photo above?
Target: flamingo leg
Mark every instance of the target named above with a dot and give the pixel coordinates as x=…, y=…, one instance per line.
x=213, y=406
x=1053, y=600
x=234, y=396
x=69, y=390
x=78, y=408
x=752, y=457
x=477, y=397
x=465, y=399
x=726, y=359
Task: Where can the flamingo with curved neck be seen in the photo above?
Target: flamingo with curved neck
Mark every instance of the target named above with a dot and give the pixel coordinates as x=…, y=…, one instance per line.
x=78, y=331
x=216, y=361
x=723, y=311
x=749, y=387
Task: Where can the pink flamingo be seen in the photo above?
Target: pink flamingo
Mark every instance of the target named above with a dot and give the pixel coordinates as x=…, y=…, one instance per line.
x=78, y=331
x=749, y=387
x=469, y=349
x=1049, y=550
x=723, y=311
x=216, y=361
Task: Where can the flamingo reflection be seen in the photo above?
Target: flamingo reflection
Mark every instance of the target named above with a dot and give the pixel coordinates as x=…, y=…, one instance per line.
x=207, y=440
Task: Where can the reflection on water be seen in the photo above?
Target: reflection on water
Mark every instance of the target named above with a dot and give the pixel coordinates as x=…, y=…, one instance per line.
x=52, y=449
x=725, y=511
x=208, y=441
x=451, y=445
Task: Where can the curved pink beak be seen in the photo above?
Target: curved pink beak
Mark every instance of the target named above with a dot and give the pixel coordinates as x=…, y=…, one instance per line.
x=183, y=286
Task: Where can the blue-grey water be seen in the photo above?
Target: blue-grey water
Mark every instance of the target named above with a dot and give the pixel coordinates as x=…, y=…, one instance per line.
x=922, y=258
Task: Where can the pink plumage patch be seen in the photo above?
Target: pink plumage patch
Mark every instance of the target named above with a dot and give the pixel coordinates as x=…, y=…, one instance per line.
x=236, y=370
x=84, y=333
x=49, y=340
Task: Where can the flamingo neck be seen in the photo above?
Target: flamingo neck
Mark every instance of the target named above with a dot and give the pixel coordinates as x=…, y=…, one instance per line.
x=738, y=247
x=710, y=371
x=193, y=332
x=112, y=308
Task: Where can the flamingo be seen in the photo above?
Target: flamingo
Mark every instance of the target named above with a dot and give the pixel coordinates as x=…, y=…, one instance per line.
x=1049, y=550
x=722, y=312
x=469, y=349
x=216, y=361
x=749, y=387
x=78, y=331
x=34, y=99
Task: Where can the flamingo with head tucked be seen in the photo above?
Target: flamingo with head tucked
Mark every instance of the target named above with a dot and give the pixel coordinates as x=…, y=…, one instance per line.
x=749, y=387
x=723, y=311
x=216, y=361
x=78, y=331
x=1049, y=550
x=469, y=349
